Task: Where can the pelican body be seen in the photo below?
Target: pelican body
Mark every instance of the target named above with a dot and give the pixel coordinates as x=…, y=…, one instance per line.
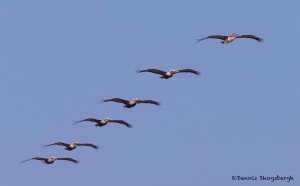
x=229, y=39
x=131, y=103
x=50, y=160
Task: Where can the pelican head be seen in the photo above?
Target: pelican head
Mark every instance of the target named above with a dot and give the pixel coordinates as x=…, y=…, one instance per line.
x=136, y=99
x=107, y=119
x=53, y=158
x=235, y=35
x=76, y=143
x=173, y=71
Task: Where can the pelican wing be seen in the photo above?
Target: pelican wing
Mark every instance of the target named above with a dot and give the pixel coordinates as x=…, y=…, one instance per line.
x=69, y=159
x=89, y=145
x=152, y=70
x=190, y=71
x=149, y=101
x=36, y=158
x=117, y=100
x=122, y=122
x=58, y=143
x=88, y=119
x=212, y=37
x=251, y=37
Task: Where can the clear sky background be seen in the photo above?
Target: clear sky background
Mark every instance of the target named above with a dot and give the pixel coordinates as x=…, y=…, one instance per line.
x=58, y=59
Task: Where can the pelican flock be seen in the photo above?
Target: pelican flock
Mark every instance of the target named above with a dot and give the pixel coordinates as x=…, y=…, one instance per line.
x=133, y=102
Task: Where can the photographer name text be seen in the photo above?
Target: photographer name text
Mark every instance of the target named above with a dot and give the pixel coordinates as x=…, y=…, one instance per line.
x=263, y=178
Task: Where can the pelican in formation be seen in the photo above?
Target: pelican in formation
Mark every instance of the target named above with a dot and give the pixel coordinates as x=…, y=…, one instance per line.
x=73, y=146
x=103, y=122
x=170, y=73
x=229, y=39
x=51, y=160
x=132, y=103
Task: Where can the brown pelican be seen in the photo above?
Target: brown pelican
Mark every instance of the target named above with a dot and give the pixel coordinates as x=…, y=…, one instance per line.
x=170, y=73
x=229, y=39
x=51, y=160
x=103, y=122
x=73, y=146
x=132, y=103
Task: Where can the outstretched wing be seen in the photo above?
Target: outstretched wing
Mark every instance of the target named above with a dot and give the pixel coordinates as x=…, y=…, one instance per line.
x=190, y=71
x=152, y=70
x=58, y=143
x=212, y=37
x=88, y=119
x=69, y=159
x=117, y=100
x=89, y=145
x=149, y=101
x=36, y=158
x=251, y=37
x=122, y=122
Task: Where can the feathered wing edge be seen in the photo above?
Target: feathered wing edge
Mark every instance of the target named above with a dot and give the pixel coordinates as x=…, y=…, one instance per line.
x=69, y=159
x=88, y=119
x=89, y=144
x=212, y=37
x=58, y=143
x=251, y=37
x=122, y=122
x=152, y=70
x=149, y=101
x=36, y=158
x=118, y=100
x=190, y=71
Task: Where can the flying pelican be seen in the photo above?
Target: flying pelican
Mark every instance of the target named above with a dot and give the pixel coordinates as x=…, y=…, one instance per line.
x=229, y=39
x=170, y=73
x=51, y=160
x=132, y=103
x=103, y=122
x=73, y=146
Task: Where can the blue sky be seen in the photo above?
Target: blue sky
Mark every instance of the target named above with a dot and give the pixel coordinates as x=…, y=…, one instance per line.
x=239, y=118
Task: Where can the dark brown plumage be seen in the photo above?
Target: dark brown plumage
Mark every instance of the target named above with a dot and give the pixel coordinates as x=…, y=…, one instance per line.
x=98, y=121
x=118, y=100
x=251, y=37
x=58, y=143
x=149, y=101
x=89, y=145
x=190, y=71
x=212, y=37
x=36, y=158
x=69, y=159
x=152, y=70
x=121, y=122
